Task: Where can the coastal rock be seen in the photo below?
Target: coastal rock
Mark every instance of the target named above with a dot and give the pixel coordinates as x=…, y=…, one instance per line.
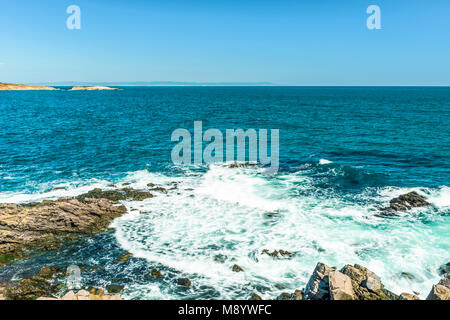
x=297, y=295
x=184, y=282
x=237, y=268
x=255, y=297
x=42, y=224
x=341, y=287
x=116, y=195
x=89, y=88
x=317, y=287
x=408, y=296
x=29, y=225
x=404, y=202
x=366, y=284
x=114, y=288
x=22, y=87
x=156, y=274
x=123, y=257
x=278, y=253
x=444, y=270
x=35, y=286
x=440, y=291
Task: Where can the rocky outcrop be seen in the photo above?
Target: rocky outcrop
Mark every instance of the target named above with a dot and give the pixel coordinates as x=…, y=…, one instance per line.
x=89, y=88
x=237, y=268
x=277, y=253
x=41, y=224
x=404, y=202
x=22, y=87
x=350, y=283
x=408, y=296
x=440, y=291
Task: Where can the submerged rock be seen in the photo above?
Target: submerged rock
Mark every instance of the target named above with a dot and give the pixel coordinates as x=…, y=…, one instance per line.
x=114, y=288
x=255, y=297
x=156, y=274
x=184, y=282
x=440, y=291
x=117, y=195
x=277, y=254
x=404, y=202
x=123, y=257
x=297, y=295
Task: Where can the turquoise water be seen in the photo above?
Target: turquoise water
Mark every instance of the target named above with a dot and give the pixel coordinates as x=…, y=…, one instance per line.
x=344, y=153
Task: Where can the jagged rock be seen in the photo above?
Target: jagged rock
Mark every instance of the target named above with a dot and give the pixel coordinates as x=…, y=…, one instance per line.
x=123, y=257
x=408, y=296
x=440, y=291
x=38, y=224
x=366, y=284
x=277, y=254
x=285, y=296
x=114, y=288
x=317, y=287
x=444, y=269
x=156, y=274
x=404, y=202
x=237, y=268
x=185, y=282
x=116, y=195
x=298, y=295
x=255, y=297
x=340, y=286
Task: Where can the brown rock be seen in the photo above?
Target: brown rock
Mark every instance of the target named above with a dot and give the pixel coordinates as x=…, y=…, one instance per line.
x=317, y=287
x=237, y=268
x=408, y=296
x=255, y=297
x=440, y=291
x=341, y=287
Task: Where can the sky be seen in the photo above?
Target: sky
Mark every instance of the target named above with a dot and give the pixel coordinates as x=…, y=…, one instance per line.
x=307, y=43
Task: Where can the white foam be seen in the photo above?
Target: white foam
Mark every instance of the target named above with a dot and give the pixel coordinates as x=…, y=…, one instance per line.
x=239, y=212
x=325, y=161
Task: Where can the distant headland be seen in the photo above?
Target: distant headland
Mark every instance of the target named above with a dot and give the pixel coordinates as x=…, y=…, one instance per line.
x=23, y=87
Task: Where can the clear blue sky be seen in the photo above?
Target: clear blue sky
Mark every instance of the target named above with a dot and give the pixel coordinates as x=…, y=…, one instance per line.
x=284, y=42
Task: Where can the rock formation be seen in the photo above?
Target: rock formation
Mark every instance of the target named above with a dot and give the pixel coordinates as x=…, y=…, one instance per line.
x=404, y=202
x=89, y=88
x=35, y=224
x=22, y=87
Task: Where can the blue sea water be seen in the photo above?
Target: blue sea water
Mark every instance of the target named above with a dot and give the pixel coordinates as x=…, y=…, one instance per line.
x=344, y=153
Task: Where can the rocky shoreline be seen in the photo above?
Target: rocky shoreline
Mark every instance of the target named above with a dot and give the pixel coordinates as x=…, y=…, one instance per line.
x=22, y=87
x=48, y=224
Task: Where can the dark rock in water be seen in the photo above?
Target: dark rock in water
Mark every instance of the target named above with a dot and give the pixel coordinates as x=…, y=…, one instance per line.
x=220, y=258
x=36, y=286
x=185, y=282
x=285, y=296
x=116, y=195
x=404, y=202
x=440, y=291
x=114, y=288
x=407, y=275
x=123, y=257
x=444, y=269
x=241, y=165
x=237, y=268
x=255, y=297
x=277, y=254
x=156, y=273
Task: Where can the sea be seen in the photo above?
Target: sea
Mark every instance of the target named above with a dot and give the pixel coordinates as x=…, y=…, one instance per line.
x=344, y=153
